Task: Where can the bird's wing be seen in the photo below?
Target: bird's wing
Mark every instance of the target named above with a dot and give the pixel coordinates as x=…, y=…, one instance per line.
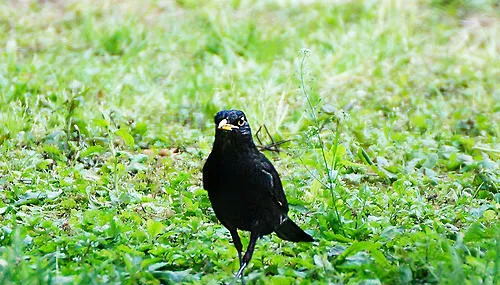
x=272, y=182
x=208, y=174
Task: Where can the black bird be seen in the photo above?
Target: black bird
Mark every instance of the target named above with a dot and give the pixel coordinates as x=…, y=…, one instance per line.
x=244, y=188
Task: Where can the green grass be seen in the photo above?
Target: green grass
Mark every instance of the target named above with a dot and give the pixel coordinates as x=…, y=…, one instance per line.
x=106, y=117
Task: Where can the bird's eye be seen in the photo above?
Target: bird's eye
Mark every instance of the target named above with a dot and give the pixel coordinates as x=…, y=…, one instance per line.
x=241, y=121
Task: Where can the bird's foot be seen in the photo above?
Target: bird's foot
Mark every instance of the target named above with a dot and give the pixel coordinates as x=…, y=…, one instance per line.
x=240, y=271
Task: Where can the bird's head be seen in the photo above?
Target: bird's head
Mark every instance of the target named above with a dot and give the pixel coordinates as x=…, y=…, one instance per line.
x=232, y=123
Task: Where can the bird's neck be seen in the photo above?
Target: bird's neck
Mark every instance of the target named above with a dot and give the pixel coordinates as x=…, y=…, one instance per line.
x=234, y=145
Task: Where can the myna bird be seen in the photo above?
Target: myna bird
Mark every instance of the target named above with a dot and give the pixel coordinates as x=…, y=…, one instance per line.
x=244, y=187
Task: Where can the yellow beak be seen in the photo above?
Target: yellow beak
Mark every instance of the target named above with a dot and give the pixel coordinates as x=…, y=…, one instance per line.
x=223, y=125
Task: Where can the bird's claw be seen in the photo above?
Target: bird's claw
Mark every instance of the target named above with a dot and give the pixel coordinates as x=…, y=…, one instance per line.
x=240, y=271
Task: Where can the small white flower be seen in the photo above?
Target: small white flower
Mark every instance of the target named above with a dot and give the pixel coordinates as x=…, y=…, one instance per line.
x=305, y=51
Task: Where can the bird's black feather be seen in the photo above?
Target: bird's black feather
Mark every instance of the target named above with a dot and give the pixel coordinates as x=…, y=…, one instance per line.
x=243, y=186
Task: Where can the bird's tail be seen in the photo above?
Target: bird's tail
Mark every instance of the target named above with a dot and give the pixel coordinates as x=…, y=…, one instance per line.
x=288, y=230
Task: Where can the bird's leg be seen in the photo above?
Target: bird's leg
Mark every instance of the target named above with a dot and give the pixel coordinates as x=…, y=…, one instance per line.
x=237, y=242
x=248, y=254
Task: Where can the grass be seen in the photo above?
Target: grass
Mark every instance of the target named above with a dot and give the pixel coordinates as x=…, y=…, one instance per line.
x=106, y=118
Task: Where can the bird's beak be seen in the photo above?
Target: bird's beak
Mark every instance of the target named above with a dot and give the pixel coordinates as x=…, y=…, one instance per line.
x=223, y=125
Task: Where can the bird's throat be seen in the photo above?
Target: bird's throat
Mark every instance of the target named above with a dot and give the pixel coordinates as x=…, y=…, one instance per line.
x=234, y=145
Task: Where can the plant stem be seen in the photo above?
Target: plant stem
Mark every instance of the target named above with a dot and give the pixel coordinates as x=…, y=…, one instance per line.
x=331, y=181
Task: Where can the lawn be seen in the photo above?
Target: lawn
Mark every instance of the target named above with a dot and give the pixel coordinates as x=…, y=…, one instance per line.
x=389, y=110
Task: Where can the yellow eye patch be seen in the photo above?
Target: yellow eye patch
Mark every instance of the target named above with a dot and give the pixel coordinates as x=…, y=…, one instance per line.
x=241, y=121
